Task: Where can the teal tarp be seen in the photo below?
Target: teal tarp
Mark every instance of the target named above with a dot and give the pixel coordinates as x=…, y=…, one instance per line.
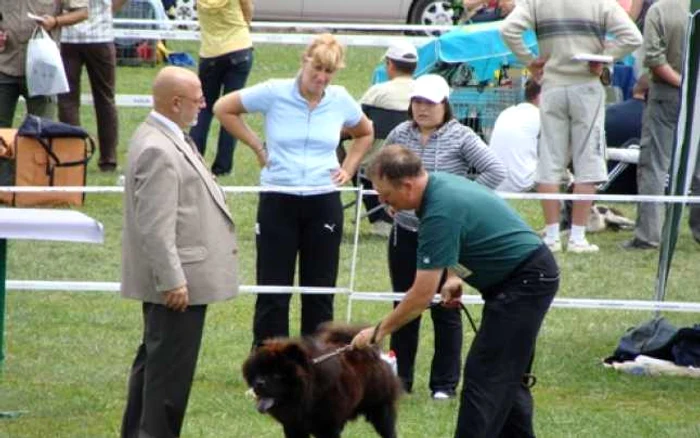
x=480, y=45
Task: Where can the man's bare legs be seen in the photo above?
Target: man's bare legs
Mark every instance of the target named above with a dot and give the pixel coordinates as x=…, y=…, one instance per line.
x=579, y=218
x=550, y=209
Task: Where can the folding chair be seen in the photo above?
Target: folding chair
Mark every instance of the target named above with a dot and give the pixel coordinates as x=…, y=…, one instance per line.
x=384, y=120
x=622, y=176
x=622, y=169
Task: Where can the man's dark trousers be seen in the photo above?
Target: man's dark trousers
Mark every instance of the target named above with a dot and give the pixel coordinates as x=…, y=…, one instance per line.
x=162, y=373
x=447, y=323
x=100, y=61
x=495, y=403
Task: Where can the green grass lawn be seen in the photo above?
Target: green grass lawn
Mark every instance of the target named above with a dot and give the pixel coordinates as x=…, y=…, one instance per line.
x=69, y=353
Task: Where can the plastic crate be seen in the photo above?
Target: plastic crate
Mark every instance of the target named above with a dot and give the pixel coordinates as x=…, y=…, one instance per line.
x=479, y=107
x=136, y=51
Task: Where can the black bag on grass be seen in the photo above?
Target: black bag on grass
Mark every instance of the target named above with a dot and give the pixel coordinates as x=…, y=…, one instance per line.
x=653, y=338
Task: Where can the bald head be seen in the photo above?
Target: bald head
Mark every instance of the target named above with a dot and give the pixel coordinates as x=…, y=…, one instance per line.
x=173, y=89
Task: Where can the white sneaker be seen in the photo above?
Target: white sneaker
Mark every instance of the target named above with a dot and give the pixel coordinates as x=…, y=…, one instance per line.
x=441, y=395
x=381, y=229
x=581, y=247
x=553, y=245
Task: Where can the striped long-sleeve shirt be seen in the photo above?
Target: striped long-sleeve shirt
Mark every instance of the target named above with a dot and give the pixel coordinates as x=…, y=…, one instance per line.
x=453, y=148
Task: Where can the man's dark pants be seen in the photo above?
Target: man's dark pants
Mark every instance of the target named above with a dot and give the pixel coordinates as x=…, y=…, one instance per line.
x=447, y=323
x=291, y=226
x=495, y=403
x=100, y=62
x=162, y=373
x=11, y=88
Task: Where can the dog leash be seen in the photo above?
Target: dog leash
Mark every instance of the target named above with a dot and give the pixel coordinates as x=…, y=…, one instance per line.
x=325, y=357
x=529, y=379
x=469, y=317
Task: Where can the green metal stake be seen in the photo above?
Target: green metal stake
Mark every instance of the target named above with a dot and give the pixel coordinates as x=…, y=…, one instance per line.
x=3, y=263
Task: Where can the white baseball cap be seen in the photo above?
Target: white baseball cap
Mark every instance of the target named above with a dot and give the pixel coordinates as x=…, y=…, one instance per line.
x=431, y=87
x=403, y=51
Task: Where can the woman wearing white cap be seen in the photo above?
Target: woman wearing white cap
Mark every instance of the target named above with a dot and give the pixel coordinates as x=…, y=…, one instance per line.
x=444, y=145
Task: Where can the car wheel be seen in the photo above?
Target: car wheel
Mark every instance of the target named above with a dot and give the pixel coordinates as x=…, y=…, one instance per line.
x=186, y=10
x=433, y=12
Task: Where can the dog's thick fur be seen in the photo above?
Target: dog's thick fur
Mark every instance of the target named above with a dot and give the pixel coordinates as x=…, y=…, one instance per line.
x=318, y=399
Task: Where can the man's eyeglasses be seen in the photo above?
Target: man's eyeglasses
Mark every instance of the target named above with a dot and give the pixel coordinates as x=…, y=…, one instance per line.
x=195, y=100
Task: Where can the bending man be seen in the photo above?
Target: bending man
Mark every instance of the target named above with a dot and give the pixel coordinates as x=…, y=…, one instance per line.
x=474, y=235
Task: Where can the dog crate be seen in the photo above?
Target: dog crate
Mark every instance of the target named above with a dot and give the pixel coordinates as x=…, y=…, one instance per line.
x=479, y=107
x=139, y=51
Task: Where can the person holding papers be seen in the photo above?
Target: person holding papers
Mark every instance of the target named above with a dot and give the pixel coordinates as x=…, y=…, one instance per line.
x=573, y=99
x=15, y=32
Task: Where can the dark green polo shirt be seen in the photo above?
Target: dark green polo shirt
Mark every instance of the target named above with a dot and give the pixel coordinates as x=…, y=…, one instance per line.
x=470, y=229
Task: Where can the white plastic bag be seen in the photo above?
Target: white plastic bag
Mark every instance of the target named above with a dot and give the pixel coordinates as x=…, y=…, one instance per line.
x=45, y=73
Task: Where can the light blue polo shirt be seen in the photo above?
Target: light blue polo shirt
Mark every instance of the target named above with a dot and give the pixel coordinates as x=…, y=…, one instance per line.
x=300, y=142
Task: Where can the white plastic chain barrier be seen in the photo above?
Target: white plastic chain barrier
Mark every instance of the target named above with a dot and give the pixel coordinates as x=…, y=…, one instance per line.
x=313, y=26
x=269, y=38
x=570, y=303
x=168, y=30
x=258, y=189
x=164, y=30
x=578, y=303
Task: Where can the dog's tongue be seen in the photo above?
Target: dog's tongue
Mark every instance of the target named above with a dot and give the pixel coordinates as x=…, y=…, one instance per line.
x=264, y=404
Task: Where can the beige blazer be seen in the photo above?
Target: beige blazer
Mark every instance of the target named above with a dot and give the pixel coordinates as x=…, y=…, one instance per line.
x=177, y=228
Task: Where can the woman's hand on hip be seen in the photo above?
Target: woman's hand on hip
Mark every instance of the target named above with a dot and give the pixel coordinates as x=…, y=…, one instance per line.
x=261, y=156
x=340, y=176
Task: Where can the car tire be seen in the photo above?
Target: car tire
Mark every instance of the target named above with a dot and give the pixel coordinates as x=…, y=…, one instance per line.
x=432, y=12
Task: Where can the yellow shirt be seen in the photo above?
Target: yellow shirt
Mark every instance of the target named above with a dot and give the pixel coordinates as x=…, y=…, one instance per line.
x=223, y=28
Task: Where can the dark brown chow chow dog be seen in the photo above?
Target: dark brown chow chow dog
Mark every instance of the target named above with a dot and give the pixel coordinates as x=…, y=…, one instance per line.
x=317, y=399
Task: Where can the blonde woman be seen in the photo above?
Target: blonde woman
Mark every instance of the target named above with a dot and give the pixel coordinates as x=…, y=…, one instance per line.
x=304, y=117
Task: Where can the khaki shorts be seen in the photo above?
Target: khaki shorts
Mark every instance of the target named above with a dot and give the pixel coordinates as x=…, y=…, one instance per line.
x=572, y=130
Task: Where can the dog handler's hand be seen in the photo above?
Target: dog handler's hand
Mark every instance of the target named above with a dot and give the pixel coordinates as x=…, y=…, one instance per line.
x=364, y=338
x=177, y=299
x=451, y=291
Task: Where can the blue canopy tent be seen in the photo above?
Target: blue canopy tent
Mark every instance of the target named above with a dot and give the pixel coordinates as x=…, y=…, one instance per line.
x=479, y=45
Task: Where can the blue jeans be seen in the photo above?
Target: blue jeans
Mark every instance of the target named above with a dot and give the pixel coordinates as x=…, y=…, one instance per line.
x=228, y=72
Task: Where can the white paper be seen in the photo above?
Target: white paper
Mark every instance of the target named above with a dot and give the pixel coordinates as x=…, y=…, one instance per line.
x=49, y=224
x=588, y=57
x=35, y=17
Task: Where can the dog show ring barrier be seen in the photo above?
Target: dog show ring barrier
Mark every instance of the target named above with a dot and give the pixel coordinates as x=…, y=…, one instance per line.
x=349, y=291
x=173, y=30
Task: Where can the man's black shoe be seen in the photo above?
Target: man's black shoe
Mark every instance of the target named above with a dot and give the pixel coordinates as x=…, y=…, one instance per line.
x=635, y=243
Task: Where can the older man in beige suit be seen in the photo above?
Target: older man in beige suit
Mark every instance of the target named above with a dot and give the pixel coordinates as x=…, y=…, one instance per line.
x=179, y=253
